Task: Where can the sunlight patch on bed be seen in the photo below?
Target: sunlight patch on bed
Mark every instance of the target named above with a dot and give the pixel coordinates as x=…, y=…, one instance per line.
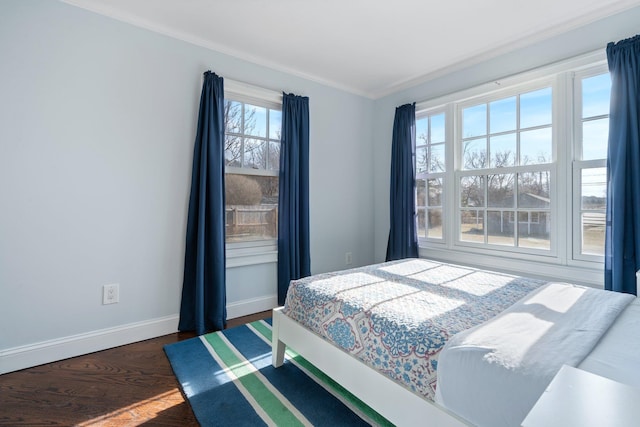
x=417, y=307
x=343, y=282
x=478, y=283
x=567, y=297
x=411, y=267
x=377, y=293
x=524, y=331
x=442, y=274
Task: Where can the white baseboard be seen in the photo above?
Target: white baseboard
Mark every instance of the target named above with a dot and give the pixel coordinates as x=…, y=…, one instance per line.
x=27, y=356
x=250, y=306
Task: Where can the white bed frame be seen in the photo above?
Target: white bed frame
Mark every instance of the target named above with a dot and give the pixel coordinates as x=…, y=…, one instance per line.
x=391, y=400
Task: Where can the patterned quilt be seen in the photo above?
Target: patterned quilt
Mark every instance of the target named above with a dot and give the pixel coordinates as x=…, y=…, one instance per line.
x=397, y=316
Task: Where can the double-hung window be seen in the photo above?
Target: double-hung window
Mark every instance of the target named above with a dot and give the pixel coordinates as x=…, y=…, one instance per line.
x=513, y=173
x=506, y=162
x=592, y=88
x=430, y=174
x=252, y=158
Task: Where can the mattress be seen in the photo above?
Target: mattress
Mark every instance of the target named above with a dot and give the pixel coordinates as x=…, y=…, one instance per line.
x=493, y=374
x=617, y=354
x=397, y=316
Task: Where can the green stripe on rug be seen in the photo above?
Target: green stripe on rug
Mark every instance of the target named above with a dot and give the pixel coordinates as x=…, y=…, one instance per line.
x=264, y=329
x=335, y=388
x=275, y=407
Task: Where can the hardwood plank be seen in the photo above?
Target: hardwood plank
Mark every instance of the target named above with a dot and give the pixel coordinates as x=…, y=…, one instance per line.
x=123, y=386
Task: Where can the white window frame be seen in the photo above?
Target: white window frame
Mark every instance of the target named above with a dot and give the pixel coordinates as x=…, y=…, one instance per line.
x=560, y=262
x=258, y=251
x=459, y=172
x=578, y=165
x=434, y=175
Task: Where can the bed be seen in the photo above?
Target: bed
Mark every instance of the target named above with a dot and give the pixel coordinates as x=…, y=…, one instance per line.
x=407, y=336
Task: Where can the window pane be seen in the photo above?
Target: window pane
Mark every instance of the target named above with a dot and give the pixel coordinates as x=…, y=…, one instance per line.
x=422, y=131
x=475, y=154
x=435, y=224
x=255, y=120
x=500, y=228
x=435, y=192
x=233, y=151
x=255, y=154
x=503, y=150
x=437, y=128
x=251, y=211
x=502, y=115
x=474, y=121
x=535, y=108
x=436, y=162
x=275, y=123
x=232, y=116
x=595, y=137
x=421, y=191
x=593, y=224
x=274, y=156
x=472, y=226
x=422, y=229
x=533, y=230
x=533, y=190
x=594, y=188
x=535, y=147
x=472, y=191
x=596, y=92
x=500, y=190
x=421, y=159
x=430, y=158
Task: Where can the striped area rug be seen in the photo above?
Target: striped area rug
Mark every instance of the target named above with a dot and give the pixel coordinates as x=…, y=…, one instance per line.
x=229, y=381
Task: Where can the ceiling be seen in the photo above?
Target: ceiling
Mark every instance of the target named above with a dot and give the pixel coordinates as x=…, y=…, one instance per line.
x=368, y=47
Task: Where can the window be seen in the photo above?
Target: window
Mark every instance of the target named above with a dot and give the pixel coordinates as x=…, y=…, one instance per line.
x=430, y=168
x=506, y=159
x=252, y=158
x=516, y=169
x=592, y=91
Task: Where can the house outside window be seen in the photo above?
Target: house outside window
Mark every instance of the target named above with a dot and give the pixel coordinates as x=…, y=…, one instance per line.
x=506, y=158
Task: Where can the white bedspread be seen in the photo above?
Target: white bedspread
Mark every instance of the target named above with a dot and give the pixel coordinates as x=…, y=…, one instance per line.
x=617, y=354
x=493, y=374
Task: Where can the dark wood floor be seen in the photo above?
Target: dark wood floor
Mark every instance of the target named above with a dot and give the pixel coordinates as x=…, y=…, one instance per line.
x=124, y=386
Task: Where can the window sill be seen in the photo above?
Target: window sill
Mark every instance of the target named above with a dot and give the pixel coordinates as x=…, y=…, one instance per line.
x=549, y=269
x=240, y=255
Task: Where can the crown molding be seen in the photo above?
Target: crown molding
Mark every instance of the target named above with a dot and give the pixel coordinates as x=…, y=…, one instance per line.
x=528, y=39
x=136, y=21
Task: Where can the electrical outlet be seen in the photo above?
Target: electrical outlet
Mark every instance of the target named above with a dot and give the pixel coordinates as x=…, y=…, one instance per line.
x=110, y=294
x=348, y=258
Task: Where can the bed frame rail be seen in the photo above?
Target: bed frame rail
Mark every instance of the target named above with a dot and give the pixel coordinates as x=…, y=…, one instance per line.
x=394, y=402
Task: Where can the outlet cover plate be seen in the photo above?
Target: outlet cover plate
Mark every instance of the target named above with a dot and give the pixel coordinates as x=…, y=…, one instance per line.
x=348, y=258
x=110, y=294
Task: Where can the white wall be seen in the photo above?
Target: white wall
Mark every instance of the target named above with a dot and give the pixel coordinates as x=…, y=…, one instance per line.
x=97, y=124
x=576, y=42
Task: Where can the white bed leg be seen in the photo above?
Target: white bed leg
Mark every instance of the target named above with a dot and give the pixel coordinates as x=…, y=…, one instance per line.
x=277, y=346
